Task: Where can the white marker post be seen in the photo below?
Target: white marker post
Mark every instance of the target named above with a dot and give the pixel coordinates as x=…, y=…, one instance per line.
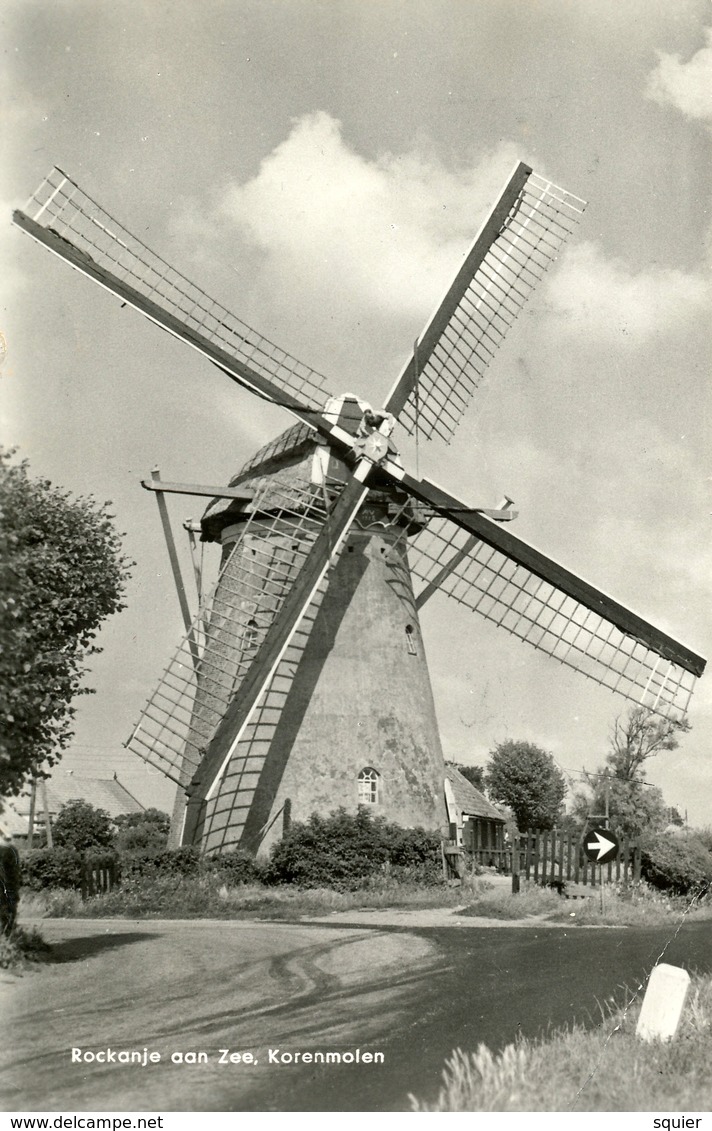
x=663, y=1003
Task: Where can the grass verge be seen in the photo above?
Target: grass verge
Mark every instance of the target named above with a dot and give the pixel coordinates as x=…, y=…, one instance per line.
x=638, y=906
x=186, y=897
x=175, y=897
x=607, y=1069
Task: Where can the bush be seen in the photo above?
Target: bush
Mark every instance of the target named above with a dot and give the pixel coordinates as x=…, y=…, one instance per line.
x=675, y=863
x=142, y=833
x=236, y=867
x=80, y=826
x=344, y=851
x=22, y=947
x=51, y=868
x=171, y=862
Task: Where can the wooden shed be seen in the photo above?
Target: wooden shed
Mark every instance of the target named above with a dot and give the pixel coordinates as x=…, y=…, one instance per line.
x=478, y=826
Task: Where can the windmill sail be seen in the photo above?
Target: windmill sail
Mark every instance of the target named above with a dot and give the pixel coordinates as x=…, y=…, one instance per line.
x=517, y=243
x=181, y=716
x=223, y=720
x=295, y=681
x=62, y=217
x=513, y=585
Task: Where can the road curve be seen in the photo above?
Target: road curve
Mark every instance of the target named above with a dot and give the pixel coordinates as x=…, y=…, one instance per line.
x=410, y=992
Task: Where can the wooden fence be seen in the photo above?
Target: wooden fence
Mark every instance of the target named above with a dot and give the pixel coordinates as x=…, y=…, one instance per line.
x=98, y=876
x=551, y=857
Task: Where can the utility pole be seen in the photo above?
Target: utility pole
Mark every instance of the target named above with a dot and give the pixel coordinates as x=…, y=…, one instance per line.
x=31, y=815
x=45, y=806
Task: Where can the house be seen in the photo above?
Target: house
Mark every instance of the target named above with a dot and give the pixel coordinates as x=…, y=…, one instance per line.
x=477, y=825
x=103, y=793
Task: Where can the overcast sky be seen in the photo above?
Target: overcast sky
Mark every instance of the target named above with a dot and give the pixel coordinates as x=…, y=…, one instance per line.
x=321, y=167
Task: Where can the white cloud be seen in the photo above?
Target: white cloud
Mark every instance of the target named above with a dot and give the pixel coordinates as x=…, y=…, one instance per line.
x=389, y=232
x=686, y=86
x=604, y=298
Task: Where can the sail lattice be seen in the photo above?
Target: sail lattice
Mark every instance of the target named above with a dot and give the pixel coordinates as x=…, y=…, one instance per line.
x=450, y=366
x=83, y=233
x=487, y=581
x=207, y=669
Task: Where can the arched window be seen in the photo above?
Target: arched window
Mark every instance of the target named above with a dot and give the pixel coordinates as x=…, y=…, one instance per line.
x=369, y=786
x=410, y=640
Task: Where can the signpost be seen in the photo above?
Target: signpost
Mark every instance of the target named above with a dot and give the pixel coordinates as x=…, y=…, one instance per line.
x=600, y=845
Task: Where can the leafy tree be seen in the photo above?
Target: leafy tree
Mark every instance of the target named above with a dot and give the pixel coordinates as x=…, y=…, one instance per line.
x=144, y=832
x=80, y=826
x=61, y=575
x=634, y=805
x=639, y=737
x=474, y=774
x=526, y=778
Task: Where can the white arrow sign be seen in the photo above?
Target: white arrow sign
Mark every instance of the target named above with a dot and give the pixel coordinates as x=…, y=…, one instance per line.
x=604, y=844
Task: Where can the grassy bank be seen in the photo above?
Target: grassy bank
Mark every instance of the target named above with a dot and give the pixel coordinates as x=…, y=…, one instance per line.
x=185, y=897
x=607, y=1069
x=174, y=897
x=636, y=906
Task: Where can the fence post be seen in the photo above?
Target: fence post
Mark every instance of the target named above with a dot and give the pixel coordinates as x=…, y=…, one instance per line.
x=515, y=863
x=636, y=863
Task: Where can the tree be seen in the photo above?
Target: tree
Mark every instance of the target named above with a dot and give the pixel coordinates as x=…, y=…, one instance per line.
x=146, y=831
x=80, y=826
x=61, y=574
x=526, y=778
x=634, y=805
x=639, y=737
x=474, y=774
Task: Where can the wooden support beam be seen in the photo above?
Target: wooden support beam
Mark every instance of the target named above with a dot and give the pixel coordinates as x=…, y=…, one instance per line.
x=198, y=489
x=175, y=567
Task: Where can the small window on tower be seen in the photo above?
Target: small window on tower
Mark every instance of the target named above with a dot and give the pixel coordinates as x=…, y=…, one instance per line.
x=249, y=636
x=369, y=787
x=410, y=639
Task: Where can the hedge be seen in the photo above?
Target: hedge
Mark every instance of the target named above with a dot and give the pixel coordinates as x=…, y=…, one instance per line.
x=677, y=863
x=342, y=851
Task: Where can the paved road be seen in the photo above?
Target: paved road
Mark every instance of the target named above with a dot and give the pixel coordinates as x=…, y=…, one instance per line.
x=411, y=992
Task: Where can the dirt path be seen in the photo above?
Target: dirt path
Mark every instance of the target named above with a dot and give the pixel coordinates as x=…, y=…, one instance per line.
x=412, y=992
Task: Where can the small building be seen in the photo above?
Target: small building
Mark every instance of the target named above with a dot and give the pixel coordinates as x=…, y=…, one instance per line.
x=64, y=786
x=477, y=825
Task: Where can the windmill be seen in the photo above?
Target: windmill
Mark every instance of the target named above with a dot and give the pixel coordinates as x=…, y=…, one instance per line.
x=302, y=683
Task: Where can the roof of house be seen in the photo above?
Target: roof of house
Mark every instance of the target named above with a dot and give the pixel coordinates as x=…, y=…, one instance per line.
x=469, y=800
x=103, y=793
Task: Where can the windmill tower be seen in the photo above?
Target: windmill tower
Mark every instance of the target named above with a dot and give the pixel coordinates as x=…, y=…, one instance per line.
x=302, y=682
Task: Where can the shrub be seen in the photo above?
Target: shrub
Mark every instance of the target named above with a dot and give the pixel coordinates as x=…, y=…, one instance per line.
x=80, y=826
x=171, y=862
x=21, y=947
x=345, y=850
x=51, y=868
x=236, y=867
x=675, y=863
x=143, y=833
